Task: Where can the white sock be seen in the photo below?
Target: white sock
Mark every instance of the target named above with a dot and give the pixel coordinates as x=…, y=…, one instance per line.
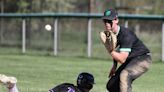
x=14, y=89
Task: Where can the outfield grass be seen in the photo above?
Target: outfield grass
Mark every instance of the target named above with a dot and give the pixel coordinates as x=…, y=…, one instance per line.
x=39, y=73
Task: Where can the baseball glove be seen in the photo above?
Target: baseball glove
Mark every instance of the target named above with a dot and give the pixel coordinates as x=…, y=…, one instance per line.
x=109, y=39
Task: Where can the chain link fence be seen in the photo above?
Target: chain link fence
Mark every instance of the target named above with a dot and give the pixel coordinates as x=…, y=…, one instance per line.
x=72, y=35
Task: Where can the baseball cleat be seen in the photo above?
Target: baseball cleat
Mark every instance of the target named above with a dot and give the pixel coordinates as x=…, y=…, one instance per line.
x=8, y=81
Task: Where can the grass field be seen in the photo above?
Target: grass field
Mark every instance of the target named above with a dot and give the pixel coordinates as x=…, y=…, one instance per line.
x=39, y=73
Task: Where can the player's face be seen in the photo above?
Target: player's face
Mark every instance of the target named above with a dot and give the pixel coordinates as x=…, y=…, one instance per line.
x=108, y=24
x=111, y=25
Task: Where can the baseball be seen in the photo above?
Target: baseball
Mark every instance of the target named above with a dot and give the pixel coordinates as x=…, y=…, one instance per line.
x=48, y=27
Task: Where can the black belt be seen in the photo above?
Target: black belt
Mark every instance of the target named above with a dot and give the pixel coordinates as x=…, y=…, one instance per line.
x=146, y=54
x=139, y=56
x=149, y=54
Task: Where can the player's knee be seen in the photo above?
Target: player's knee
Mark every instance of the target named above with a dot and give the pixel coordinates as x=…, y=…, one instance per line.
x=125, y=81
x=110, y=87
x=113, y=84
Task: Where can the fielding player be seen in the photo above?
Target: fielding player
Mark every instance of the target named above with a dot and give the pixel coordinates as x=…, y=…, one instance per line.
x=133, y=56
x=85, y=83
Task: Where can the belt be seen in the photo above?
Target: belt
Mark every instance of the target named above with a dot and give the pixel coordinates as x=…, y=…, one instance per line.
x=149, y=54
x=145, y=54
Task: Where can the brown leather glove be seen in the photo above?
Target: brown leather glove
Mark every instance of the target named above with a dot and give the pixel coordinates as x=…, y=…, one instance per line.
x=109, y=39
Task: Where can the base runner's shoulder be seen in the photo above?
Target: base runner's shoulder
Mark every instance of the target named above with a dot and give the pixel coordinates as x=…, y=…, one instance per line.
x=65, y=87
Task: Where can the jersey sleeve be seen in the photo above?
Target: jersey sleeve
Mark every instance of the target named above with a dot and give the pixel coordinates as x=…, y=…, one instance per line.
x=126, y=44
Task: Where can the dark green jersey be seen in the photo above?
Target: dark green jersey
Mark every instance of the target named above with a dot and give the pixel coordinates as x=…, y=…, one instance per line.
x=129, y=42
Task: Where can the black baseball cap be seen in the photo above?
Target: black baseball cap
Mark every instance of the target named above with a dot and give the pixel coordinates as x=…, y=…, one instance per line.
x=110, y=14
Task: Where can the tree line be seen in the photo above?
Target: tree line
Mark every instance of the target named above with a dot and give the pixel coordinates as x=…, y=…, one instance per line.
x=87, y=6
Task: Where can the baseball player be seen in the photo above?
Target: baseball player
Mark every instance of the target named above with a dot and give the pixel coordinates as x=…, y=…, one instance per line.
x=9, y=82
x=133, y=56
x=85, y=83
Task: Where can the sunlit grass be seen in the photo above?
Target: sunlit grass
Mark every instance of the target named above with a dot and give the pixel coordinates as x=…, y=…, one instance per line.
x=39, y=73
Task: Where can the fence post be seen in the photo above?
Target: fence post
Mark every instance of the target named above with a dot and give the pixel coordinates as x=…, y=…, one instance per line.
x=137, y=29
x=89, y=47
x=126, y=23
x=2, y=21
x=1, y=30
x=23, y=36
x=163, y=41
x=55, y=36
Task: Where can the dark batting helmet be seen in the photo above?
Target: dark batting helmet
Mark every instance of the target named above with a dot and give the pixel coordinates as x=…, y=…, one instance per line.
x=85, y=80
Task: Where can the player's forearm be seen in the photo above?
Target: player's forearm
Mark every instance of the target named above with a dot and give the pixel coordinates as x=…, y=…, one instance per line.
x=119, y=57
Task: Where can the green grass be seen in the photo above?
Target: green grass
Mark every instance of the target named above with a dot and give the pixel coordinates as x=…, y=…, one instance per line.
x=39, y=73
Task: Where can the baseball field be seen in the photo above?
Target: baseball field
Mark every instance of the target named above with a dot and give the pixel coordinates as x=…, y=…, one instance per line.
x=40, y=73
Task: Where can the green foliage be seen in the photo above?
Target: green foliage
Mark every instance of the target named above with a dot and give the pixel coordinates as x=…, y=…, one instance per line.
x=23, y=4
x=97, y=6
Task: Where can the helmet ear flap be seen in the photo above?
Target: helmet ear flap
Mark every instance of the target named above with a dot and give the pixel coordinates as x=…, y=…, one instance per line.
x=89, y=86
